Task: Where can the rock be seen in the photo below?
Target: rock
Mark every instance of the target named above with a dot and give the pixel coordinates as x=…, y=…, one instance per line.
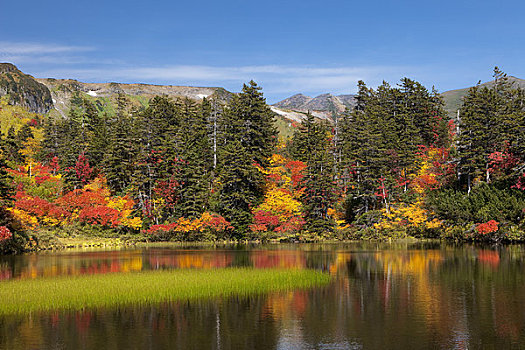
x=24, y=90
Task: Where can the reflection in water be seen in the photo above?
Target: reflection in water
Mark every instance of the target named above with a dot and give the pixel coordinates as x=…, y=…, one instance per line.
x=383, y=296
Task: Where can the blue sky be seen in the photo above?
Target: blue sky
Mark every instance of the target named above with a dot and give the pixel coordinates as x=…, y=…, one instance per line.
x=286, y=46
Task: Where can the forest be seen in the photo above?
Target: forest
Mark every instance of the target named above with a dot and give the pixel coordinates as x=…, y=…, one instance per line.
x=395, y=166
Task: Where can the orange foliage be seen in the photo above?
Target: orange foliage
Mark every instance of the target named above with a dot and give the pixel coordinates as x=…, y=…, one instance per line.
x=487, y=227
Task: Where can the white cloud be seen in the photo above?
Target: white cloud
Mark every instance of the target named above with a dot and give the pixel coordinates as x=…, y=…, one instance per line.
x=18, y=48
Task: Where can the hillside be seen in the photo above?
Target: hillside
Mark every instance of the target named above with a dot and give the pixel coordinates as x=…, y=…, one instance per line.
x=24, y=90
x=104, y=94
x=453, y=98
x=322, y=106
x=54, y=96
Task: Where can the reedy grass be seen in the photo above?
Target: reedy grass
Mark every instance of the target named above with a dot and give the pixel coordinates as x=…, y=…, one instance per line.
x=119, y=289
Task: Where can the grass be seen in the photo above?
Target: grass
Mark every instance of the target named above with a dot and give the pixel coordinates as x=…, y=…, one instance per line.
x=110, y=290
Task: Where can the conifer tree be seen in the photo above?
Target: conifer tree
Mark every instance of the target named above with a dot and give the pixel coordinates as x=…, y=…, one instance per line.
x=154, y=147
x=248, y=119
x=118, y=160
x=240, y=186
x=319, y=193
x=248, y=138
x=6, y=188
x=195, y=154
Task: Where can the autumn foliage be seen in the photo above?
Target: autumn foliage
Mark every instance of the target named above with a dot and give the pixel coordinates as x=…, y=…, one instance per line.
x=40, y=201
x=5, y=234
x=487, y=227
x=208, y=223
x=280, y=211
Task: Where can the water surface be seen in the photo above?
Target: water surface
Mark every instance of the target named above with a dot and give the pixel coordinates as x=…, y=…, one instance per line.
x=383, y=296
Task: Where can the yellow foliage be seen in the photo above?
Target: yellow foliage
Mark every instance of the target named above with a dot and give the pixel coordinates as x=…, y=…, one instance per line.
x=407, y=215
x=277, y=159
x=27, y=220
x=188, y=225
x=98, y=185
x=280, y=202
x=118, y=203
x=14, y=116
x=134, y=223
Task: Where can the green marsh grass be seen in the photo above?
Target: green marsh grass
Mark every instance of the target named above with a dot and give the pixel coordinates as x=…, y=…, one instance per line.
x=118, y=289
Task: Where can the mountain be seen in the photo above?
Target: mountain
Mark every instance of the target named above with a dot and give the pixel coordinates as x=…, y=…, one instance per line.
x=104, y=94
x=24, y=90
x=454, y=98
x=293, y=102
x=322, y=106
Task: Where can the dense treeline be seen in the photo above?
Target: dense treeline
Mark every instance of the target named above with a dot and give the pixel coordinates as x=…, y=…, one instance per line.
x=178, y=169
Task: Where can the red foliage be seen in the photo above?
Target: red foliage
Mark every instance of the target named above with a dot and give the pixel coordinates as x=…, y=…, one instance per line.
x=83, y=170
x=487, y=227
x=53, y=164
x=100, y=215
x=520, y=184
x=156, y=229
x=39, y=207
x=168, y=190
x=79, y=199
x=297, y=169
x=41, y=179
x=294, y=224
x=218, y=223
x=382, y=191
x=5, y=234
x=502, y=161
x=265, y=219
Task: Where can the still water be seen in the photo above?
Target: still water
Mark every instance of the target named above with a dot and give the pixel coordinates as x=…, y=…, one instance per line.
x=383, y=296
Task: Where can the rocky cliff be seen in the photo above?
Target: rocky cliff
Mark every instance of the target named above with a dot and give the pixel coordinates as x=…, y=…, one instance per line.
x=24, y=90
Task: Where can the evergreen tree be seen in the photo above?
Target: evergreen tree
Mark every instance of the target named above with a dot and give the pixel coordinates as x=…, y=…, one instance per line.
x=155, y=149
x=196, y=157
x=6, y=188
x=319, y=192
x=119, y=158
x=240, y=186
x=50, y=141
x=248, y=138
x=491, y=122
x=249, y=120
x=478, y=124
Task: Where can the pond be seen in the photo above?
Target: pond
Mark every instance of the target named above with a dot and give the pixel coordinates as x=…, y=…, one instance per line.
x=381, y=296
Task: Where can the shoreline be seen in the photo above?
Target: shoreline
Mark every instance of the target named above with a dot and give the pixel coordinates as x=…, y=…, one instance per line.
x=127, y=241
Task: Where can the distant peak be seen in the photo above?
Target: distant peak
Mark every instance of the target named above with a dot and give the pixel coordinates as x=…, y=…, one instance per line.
x=6, y=67
x=325, y=95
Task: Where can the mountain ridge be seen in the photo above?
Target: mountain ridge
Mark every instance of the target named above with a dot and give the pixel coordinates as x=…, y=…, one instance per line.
x=62, y=91
x=23, y=89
